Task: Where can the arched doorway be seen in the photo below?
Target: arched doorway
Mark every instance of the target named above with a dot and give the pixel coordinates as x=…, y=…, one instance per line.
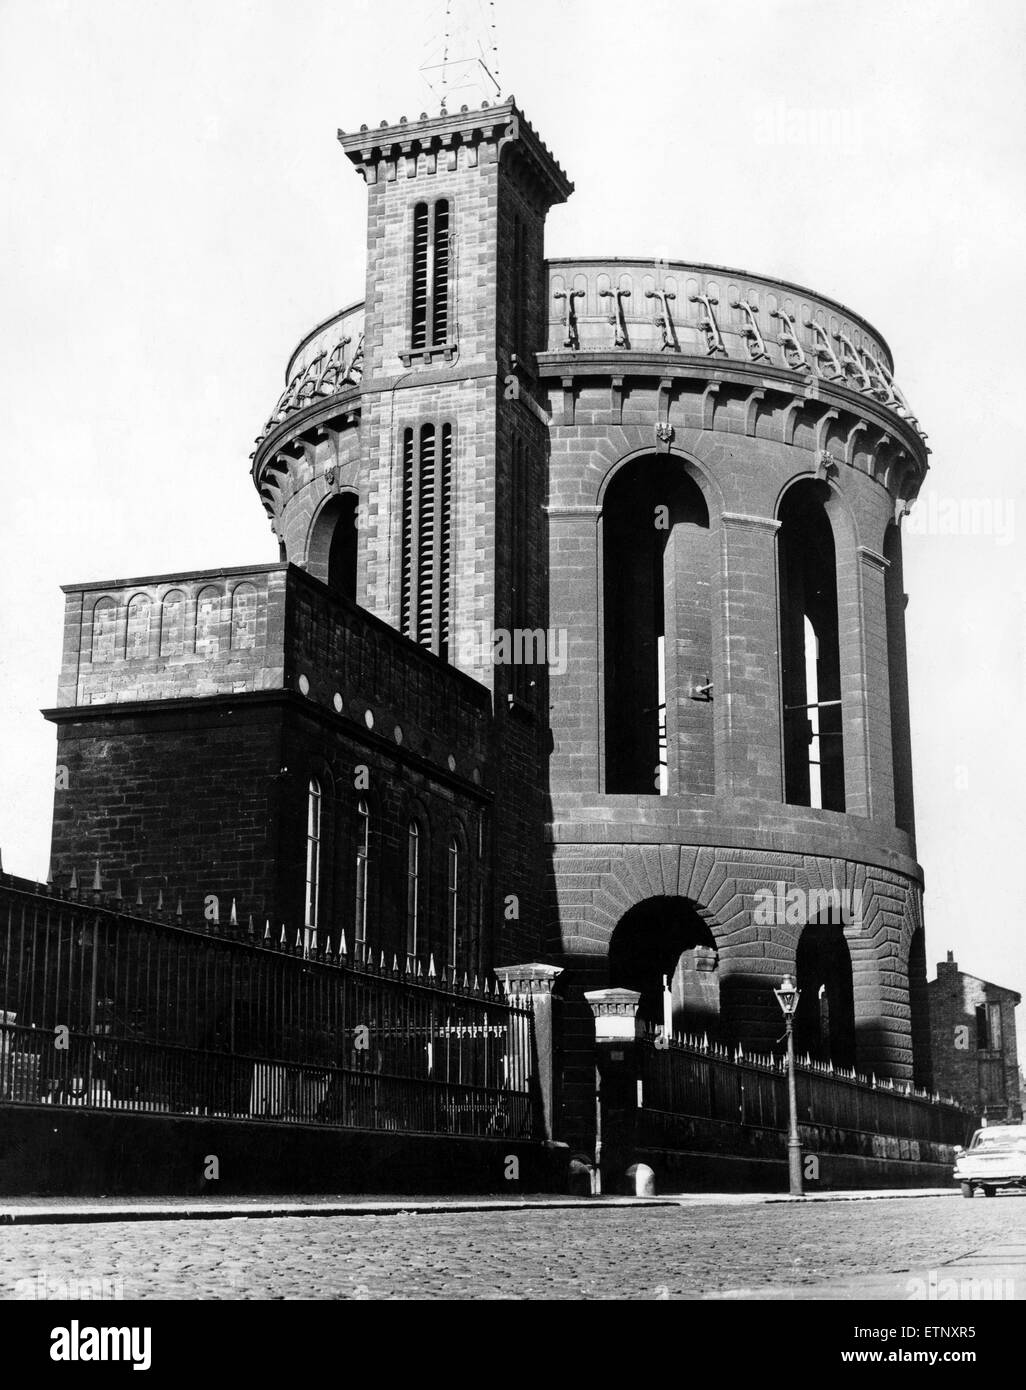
x=666, y=939
x=824, y=1024
x=332, y=551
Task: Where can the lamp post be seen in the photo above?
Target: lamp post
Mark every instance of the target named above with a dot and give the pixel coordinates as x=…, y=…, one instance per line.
x=787, y=997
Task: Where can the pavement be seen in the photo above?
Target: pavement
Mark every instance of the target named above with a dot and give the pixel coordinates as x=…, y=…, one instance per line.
x=873, y=1245
x=46, y=1210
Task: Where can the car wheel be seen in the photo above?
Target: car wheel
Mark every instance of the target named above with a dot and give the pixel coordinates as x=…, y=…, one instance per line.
x=990, y=1192
x=967, y=1189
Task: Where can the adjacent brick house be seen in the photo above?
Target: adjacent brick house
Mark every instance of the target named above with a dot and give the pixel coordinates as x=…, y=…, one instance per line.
x=587, y=631
x=972, y=1030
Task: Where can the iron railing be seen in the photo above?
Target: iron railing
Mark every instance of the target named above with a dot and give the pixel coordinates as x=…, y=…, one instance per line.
x=111, y=1011
x=689, y=1077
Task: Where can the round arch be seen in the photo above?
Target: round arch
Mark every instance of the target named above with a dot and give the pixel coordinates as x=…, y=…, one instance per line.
x=664, y=942
x=332, y=542
x=693, y=467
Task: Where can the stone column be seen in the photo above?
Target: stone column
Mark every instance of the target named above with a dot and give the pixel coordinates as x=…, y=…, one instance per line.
x=530, y=987
x=875, y=686
x=617, y=1029
x=747, y=679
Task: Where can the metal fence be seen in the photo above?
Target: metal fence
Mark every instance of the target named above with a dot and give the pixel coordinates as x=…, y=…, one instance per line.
x=691, y=1078
x=103, y=1009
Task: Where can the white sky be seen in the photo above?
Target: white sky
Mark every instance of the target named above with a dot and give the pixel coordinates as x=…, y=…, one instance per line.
x=177, y=212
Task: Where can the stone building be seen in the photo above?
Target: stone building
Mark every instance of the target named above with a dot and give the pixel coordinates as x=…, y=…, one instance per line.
x=585, y=644
x=972, y=1033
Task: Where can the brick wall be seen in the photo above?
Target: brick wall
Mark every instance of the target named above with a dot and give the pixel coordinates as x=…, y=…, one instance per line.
x=960, y=1065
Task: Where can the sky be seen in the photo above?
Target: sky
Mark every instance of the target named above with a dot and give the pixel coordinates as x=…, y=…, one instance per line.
x=176, y=213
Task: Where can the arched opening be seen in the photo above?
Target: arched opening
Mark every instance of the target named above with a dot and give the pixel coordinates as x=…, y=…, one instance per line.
x=919, y=1011
x=332, y=550
x=897, y=671
x=810, y=650
x=824, y=1024
x=656, y=558
x=665, y=940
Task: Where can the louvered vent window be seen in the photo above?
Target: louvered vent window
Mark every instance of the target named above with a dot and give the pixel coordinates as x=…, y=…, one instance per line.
x=425, y=581
x=523, y=677
x=420, y=275
x=429, y=325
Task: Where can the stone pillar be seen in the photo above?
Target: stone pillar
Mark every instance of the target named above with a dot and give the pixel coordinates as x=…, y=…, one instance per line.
x=875, y=686
x=530, y=987
x=747, y=682
x=617, y=1030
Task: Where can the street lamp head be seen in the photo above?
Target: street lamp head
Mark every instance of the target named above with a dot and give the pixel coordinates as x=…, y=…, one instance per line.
x=788, y=995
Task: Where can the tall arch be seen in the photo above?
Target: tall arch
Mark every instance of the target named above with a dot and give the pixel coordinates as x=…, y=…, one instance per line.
x=810, y=656
x=824, y=1025
x=657, y=580
x=665, y=939
x=332, y=549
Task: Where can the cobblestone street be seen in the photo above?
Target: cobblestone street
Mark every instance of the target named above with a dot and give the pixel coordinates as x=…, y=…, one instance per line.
x=880, y=1248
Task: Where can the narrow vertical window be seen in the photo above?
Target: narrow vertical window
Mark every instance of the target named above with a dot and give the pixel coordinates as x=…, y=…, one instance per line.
x=426, y=549
x=406, y=585
x=454, y=917
x=425, y=586
x=444, y=541
x=519, y=549
x=362, y=862
x=418, y=337
x=313, y=855
x=440, y=286
x=413, y=890
x=432, y=255
x=517, y=288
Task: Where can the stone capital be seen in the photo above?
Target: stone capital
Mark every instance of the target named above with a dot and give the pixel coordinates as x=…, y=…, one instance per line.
x=528, y=979
x=616, y=1014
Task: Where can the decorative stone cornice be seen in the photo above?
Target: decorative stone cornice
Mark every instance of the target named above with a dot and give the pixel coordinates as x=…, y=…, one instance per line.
x=414, y=149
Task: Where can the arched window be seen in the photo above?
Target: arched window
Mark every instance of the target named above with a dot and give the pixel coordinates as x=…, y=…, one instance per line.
x=413, y=932
x=137, y=646
x=454, y=913
x=657, y=568
x=105, y=628
x=809, y=650
x=426, y=562
x=362, y=865
x=429, y=323
x=313, y=856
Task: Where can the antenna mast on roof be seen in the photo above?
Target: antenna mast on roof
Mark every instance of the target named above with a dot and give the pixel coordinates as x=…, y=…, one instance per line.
x=461, y=64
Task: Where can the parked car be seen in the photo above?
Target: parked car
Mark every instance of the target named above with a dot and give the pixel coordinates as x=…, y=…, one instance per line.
x=996, y=1157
